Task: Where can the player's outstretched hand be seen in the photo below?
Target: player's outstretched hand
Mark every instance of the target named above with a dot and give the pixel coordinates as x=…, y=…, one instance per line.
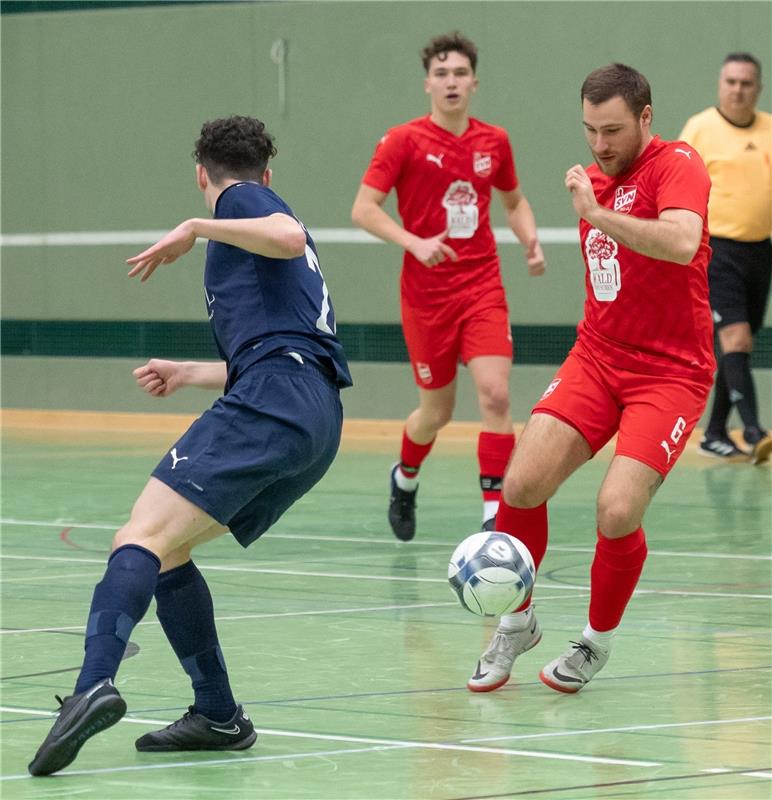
x=160, y=378
x=175, y=244
x=433, y=250
x=582, y=195
x=535, y=258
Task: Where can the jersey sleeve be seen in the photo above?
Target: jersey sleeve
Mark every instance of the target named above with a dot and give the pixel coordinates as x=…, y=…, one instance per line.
x=386, y=163
x=505, y=178
x=683, y=180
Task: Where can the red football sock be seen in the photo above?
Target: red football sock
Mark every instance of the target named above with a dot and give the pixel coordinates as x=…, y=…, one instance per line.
x=615, y=571
x=493, y=452
x=412, y=455
x=530, y=526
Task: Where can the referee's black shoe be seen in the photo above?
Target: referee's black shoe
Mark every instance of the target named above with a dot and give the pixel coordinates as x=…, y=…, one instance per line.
x=401, y=509
x=196, y=732
x=81, y=716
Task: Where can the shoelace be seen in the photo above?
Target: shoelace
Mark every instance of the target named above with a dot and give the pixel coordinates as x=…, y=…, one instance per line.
x=586, y=651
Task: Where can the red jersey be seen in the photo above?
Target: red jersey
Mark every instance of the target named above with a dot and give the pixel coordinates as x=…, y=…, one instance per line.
x=641, y=313
x=444, y=181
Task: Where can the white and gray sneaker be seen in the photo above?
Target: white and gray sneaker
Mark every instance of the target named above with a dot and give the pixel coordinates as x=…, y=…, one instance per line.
x=495, y=664
x=574, y=669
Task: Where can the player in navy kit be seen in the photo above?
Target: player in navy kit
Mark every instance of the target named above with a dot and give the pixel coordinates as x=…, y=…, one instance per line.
x=261, y=446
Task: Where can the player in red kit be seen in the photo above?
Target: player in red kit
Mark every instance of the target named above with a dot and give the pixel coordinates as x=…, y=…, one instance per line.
x=444, y=167
x=642, y=366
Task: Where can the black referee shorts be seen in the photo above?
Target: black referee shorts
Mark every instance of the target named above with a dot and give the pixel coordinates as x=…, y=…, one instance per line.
x=739, y=276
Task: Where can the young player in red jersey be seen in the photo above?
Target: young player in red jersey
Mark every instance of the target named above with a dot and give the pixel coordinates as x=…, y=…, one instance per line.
x=443, y=167
x=641, y=367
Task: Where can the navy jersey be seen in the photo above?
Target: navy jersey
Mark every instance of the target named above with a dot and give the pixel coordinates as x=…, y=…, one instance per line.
x=259, y=306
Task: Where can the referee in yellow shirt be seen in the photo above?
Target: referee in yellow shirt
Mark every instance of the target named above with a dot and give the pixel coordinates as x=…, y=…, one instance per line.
x=735, y=142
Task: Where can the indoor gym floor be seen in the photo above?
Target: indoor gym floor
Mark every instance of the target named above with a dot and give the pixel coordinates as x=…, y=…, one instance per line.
x=350, y=654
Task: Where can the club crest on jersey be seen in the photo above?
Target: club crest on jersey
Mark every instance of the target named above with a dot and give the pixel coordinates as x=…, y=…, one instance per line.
x=460, y=202
x=601, y=254
x=483, y=164
x=624, y=198
x=424, y=372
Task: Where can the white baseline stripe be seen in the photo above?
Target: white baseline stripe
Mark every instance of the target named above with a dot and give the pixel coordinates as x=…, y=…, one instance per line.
x=391, y=543
x=400, y=743
x=321, y=235
x=627, y=729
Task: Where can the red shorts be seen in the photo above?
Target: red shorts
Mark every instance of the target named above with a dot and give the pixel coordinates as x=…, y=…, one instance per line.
x=654, y=415
x=460, y=329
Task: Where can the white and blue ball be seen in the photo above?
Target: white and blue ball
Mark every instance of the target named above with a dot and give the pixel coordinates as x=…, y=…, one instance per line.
x=491, y=573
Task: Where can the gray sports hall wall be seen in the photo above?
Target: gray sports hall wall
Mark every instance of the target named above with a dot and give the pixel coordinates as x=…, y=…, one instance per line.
x=101, y=106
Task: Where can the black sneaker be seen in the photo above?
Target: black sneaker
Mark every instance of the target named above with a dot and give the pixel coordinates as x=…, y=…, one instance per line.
x=196, y=732
x=489, y=525
x=721, y=447
x=81, y=716
x=401, y=510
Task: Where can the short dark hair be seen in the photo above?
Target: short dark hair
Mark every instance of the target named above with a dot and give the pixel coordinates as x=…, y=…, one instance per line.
x=234, y=147
x=453, y=42
x=745, y=58
x=617, y=80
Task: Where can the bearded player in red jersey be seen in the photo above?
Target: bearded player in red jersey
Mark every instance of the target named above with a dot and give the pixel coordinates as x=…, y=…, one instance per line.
x=642, y=366
x=443, y=167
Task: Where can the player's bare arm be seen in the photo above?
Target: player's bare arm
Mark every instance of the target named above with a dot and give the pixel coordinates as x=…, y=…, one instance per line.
x=674, y=236
x=367, y=212
x=275, y=236
x=523, y=224
x=160, y=378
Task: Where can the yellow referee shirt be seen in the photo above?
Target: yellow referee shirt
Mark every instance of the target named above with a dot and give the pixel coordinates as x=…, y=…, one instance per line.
x=739, y=162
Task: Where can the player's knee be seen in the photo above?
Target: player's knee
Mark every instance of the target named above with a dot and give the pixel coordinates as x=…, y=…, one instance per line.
x=617, y=516
x=494, y=399
x=521, y=489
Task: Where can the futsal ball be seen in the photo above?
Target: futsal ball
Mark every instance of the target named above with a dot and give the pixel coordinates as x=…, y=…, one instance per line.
x=491, y=573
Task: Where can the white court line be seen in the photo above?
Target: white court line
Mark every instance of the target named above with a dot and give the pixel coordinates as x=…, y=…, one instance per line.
x=380, y=541
x=319, y=235
x=400, y=743
x=626, y=729
x=565, y=587
x=724, y=770
x=272, y=615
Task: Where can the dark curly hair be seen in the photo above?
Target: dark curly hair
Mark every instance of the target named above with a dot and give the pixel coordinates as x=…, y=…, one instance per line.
x=453, y=42
x=234, y=147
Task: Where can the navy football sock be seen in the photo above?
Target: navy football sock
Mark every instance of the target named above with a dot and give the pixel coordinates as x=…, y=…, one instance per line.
x=119, y=602
x=186, y=613
x=742, y=392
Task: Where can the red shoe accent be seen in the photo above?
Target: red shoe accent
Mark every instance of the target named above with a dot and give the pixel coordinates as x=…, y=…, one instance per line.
x=545, y=680
x=488, y=688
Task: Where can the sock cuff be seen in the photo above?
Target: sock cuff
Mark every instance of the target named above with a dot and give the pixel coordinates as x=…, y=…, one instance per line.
x=736, y=355
x=124, y=548
x=624, y=544
x=176, y=578
x=412, y=454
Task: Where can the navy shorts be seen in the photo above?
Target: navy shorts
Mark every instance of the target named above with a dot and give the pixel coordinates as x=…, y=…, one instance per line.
x=739, y=276
x=260, y=447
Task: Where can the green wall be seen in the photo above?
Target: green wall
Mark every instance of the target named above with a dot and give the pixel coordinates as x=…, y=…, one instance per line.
x=101, y=108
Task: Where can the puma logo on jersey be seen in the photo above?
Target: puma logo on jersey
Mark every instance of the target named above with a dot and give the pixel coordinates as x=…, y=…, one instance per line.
x=687, y=153
x=435, y=159
x=668, y=451
x=175, y=459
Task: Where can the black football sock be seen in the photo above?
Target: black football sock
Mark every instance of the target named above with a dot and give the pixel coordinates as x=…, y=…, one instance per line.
x=186, y=613
x=722, y=406
x=742, y=392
